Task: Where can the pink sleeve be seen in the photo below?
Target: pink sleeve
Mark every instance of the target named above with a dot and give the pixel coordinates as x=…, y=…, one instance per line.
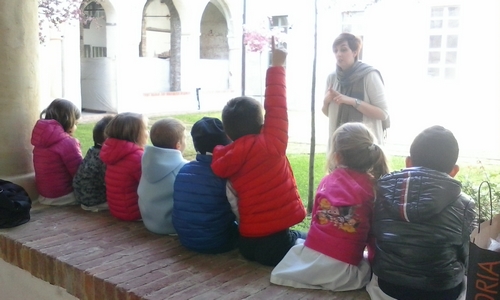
x=72, y=158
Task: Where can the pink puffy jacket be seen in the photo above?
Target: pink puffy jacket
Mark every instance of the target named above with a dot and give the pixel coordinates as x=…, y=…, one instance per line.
x=56, y=158
x=123, y=172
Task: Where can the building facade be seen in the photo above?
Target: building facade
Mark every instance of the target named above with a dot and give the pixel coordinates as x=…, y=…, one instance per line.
x=439, y=60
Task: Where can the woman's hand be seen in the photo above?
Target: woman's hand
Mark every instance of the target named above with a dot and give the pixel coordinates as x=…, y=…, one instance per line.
x=365, y=108
x=338, y=99
x=329, y=95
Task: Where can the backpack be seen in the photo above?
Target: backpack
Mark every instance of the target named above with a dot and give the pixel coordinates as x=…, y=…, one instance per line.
x=15, y=205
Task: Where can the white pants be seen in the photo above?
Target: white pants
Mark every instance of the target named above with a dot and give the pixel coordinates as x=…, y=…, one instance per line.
x=68, y=199
x=303, y=267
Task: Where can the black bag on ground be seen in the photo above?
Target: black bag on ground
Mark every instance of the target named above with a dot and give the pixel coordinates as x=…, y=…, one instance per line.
x=15, y=205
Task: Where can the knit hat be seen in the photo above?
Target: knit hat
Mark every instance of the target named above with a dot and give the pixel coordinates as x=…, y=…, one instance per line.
x=435, y=148
x=208, y=133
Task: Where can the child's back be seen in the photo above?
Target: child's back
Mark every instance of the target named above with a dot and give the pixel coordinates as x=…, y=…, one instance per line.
x=422, y=223
x=332, y=257
x=88, y=184
x=259, y=171
x=160, y=165
x=122, y=152
x=56, y=154
x=202, y=215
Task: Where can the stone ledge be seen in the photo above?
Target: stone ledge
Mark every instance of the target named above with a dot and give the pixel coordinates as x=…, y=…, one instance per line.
x=95, y=256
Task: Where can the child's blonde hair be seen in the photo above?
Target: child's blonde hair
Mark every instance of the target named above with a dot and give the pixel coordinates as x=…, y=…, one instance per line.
x=353, y=146
x=166, y=133
x=127, y=126
x=63, y=111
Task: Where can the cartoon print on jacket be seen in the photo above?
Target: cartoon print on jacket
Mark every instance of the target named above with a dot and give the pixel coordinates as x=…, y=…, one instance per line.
x=343, y=217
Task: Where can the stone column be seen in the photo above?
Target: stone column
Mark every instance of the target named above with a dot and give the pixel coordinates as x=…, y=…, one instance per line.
x=19, y=89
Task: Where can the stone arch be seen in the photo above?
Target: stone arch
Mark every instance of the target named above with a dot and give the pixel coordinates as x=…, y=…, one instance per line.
x=213, y=33
x=155, y=30
x=98, y=51
x=93, y=30
x=107, y=20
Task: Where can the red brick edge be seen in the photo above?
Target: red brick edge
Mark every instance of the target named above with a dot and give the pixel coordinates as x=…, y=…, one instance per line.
x=94, y=256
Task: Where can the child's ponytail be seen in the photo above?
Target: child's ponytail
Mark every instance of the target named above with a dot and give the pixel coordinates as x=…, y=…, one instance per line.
x=379, y=166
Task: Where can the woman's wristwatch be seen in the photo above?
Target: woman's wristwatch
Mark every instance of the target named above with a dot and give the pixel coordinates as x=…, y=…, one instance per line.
x=357, y=103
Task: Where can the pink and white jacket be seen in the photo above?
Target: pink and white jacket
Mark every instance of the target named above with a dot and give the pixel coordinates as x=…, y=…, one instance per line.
x=342, y=216
x=56, y=158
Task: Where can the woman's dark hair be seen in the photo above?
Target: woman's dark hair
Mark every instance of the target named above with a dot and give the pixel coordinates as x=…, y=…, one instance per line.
x=63, y=111
x=353, y=41
x=242, y=116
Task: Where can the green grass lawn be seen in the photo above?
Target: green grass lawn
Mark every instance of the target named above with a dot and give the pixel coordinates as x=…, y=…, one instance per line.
x=470, y=176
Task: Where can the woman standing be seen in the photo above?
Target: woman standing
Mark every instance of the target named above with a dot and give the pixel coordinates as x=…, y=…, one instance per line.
x=355, y=91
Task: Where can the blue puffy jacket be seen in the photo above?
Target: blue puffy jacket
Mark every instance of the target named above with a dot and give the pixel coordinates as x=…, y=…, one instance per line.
x=202, y=215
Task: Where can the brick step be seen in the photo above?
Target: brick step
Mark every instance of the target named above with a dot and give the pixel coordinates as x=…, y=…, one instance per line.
x=95, y=256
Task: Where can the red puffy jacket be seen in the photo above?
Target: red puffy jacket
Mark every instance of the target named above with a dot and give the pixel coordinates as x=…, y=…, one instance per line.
x=56, y=158
x=259, y=171
x=123, y=171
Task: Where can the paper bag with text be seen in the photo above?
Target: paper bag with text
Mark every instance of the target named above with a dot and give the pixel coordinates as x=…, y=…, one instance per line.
x=483, y=276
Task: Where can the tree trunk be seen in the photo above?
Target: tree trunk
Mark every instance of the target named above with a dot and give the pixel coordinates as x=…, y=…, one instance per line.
x=310, y=194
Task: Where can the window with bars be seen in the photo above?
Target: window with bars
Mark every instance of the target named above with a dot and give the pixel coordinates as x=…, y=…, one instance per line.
x=93, y=11
x=90, y=51
x=443, y=42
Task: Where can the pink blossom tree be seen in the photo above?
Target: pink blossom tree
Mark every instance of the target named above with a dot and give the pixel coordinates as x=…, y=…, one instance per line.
x=54, y=13
x=258, y=39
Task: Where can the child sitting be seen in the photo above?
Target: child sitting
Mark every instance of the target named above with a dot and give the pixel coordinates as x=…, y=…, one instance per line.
x=56, y=153
x=422, y=224
x=258, y=169
x=122, y=152
x=88, y=184
x=332, y=256
x=160, y=164
x=202, y=215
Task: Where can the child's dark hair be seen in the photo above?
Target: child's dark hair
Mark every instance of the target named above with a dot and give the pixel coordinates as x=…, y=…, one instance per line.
x=435, y=148
x=98, y=131
x=166, y=133
x=126, y=126
x=353, y=143
x=63, y=111
x=242, y=116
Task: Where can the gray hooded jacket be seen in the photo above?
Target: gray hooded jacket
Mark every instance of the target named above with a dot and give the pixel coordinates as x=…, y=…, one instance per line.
x=156, y=187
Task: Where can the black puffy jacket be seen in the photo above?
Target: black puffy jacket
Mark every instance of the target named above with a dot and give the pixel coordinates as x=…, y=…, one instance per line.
x=422, y=224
